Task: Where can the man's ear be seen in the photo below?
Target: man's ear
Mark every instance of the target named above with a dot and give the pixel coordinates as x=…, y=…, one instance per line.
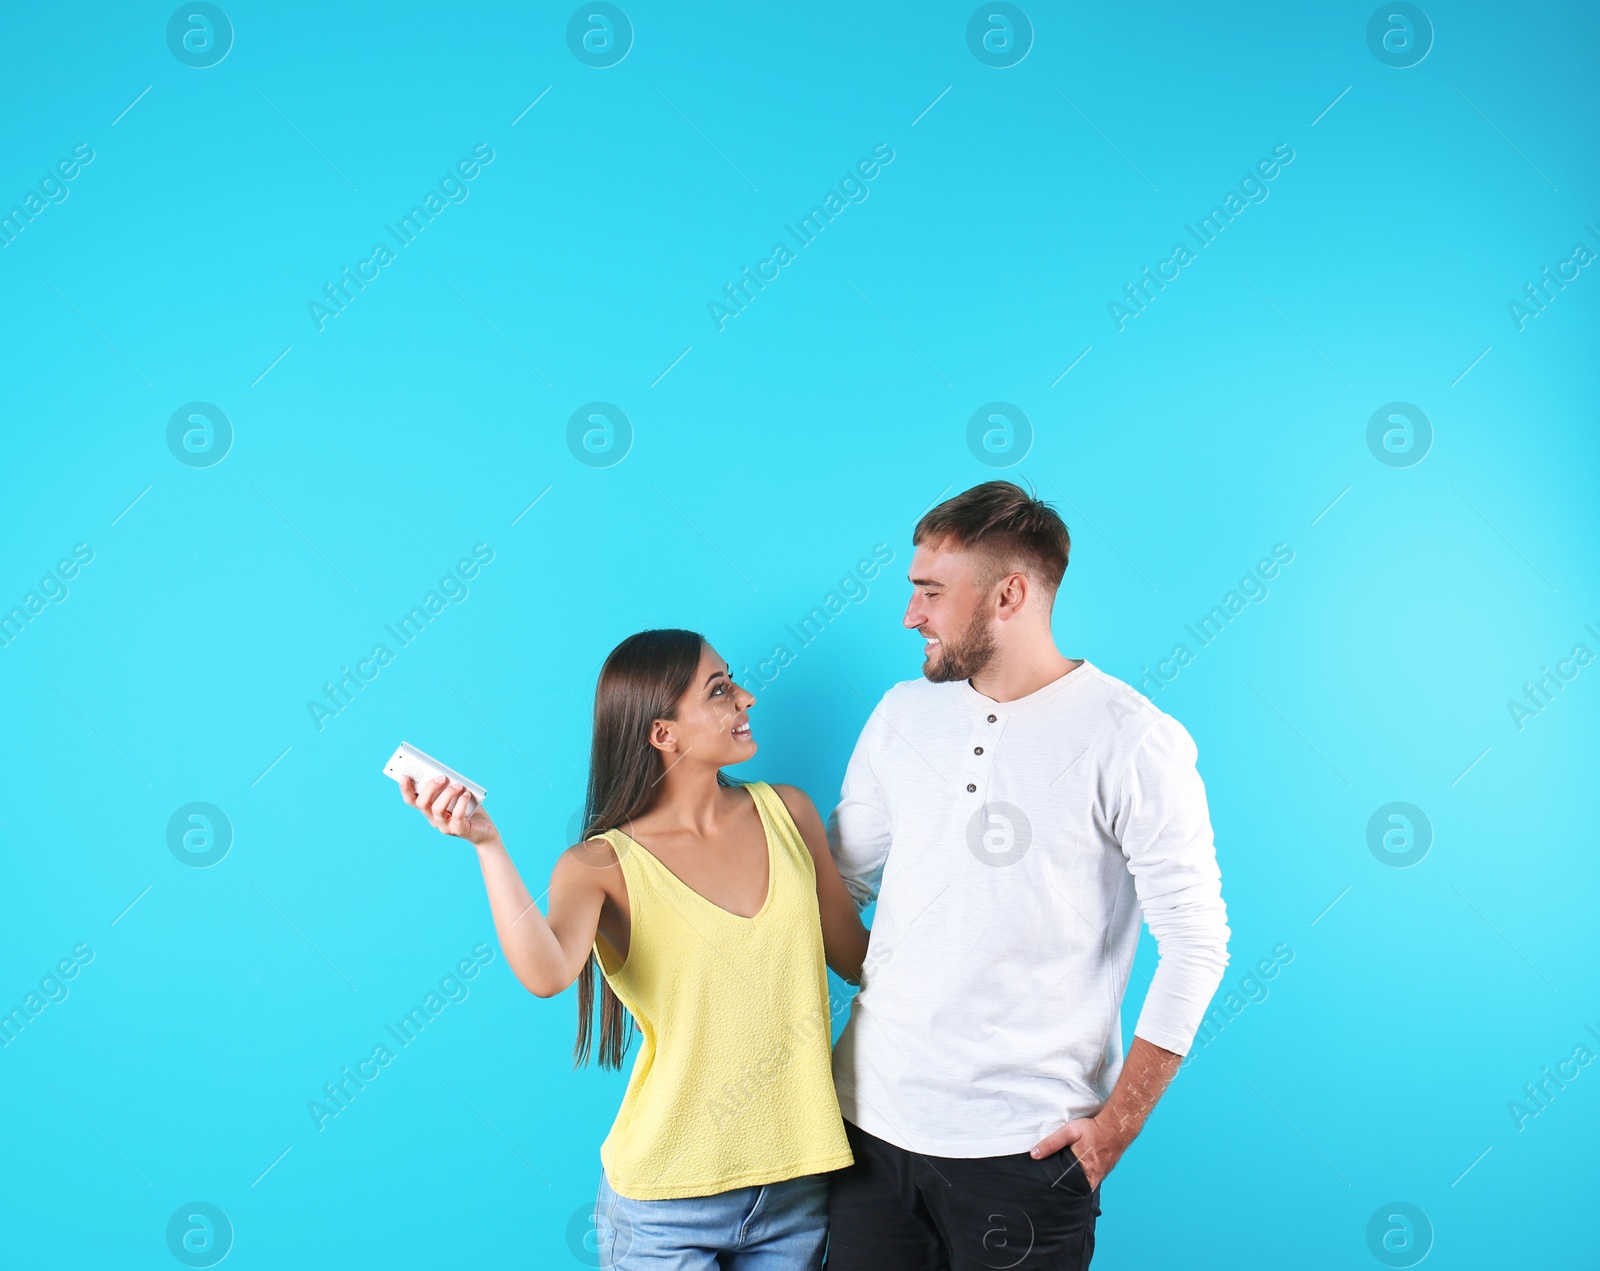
x=1013, y=595
x=662, y=737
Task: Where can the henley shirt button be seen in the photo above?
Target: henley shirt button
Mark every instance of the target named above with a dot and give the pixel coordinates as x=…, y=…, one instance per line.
x=971, y=789
x=977, y=750
x=991, y=719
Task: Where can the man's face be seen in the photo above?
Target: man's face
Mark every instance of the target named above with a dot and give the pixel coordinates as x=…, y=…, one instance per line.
x=950, y=611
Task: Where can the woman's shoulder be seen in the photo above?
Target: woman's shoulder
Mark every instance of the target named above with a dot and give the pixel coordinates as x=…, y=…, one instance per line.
x=792, y=796
x=599, y=852
x=802, y=811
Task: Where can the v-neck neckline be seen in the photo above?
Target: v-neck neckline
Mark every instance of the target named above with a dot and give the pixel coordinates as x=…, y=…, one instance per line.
x=766, y=829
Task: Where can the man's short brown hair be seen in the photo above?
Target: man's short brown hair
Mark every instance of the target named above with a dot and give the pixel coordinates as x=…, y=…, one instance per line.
x=1002, y=522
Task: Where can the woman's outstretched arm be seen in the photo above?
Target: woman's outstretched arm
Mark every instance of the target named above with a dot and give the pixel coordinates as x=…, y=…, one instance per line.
x=545, y=954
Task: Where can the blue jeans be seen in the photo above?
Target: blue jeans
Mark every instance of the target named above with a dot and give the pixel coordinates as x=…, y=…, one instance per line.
x=779, y=1227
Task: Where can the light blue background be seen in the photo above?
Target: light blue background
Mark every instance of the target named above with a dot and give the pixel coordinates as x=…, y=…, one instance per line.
x=824, y=419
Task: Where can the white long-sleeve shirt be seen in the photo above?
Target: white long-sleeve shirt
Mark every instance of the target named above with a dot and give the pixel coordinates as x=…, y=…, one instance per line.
x=1011, y=847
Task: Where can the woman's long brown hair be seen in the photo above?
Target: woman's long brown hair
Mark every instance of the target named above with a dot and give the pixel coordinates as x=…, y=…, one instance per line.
x=643, y=680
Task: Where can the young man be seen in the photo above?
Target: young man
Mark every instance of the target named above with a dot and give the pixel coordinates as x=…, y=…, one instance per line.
x=1012, y=813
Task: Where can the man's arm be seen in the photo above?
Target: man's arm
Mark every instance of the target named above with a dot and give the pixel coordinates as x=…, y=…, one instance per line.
x=1162, y=823
x=1099, y=1141
x=858, y=828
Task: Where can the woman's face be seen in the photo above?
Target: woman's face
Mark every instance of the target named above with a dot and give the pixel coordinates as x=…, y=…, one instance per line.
x=713, y=722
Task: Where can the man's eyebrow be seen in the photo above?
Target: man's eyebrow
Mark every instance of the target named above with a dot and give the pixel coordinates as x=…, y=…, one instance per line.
x=926, y=582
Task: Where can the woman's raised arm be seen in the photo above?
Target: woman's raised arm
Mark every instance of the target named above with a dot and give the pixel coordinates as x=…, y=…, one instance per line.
x=545, y=954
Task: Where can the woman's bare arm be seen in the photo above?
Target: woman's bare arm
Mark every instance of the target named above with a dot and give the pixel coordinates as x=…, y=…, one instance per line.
x=844, y=939
x=545, y=954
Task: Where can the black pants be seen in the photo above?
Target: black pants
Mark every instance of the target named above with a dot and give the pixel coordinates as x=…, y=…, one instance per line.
x=895, y=1210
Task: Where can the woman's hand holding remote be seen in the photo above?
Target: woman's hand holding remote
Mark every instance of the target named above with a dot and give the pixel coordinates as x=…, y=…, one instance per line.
x=451, y=810
x=545, y=953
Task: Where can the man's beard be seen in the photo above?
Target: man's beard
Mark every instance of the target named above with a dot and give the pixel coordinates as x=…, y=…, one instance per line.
x=969, y=655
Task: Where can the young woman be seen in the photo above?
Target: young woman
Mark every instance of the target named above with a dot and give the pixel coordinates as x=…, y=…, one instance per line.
x=709, y=908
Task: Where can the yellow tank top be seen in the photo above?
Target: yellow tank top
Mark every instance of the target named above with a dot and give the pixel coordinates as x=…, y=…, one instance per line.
x=732, y=1086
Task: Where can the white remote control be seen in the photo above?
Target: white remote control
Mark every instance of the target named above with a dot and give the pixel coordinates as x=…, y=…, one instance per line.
x=408, y=761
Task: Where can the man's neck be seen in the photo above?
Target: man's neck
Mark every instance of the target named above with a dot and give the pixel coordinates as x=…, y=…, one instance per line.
x=1017, y=674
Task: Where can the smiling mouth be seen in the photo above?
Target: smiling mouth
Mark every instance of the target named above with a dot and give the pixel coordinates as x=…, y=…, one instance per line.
x=742, y=730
